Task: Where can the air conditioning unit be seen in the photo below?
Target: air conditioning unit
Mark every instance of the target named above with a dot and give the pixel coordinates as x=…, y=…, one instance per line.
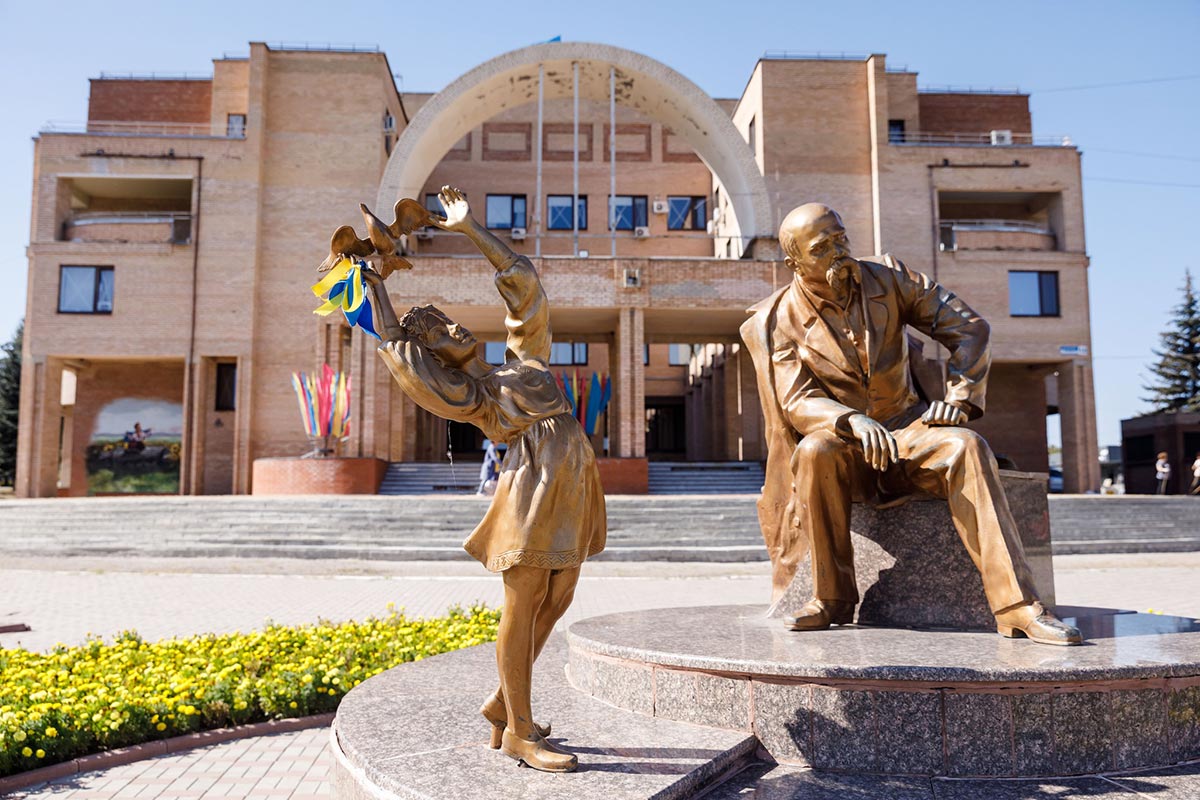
x=1002, y=137
x=424, y=233
x=517, y=234
x=659, y=206
x=641, y=232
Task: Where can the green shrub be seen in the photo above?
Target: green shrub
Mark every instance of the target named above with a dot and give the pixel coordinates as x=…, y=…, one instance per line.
x=76, y=700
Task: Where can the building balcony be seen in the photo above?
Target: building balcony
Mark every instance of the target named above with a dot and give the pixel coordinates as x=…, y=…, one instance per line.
x=129, y=226
x=996, y=138
x=995, y=234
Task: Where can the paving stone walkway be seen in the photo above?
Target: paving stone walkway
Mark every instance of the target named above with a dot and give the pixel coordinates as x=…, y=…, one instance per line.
x=66, y=600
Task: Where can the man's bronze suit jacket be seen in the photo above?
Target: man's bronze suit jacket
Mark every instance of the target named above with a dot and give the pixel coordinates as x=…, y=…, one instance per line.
x=808, y=381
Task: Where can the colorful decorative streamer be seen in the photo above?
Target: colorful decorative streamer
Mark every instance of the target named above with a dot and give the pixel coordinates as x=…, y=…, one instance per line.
x=589, y=398
x=345, y=287
x=324, y=402
x=593, y=405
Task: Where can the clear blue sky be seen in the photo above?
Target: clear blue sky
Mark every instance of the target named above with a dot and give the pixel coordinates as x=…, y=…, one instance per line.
x=1141, y=160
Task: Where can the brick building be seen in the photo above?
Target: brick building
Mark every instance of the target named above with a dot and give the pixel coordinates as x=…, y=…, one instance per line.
x=175, y=234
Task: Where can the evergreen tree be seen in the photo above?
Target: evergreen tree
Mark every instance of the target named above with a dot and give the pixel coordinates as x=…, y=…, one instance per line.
x=1176, y=385
x=10, y=401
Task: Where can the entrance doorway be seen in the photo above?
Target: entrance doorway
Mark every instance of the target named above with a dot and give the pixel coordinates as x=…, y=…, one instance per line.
x=666, y=429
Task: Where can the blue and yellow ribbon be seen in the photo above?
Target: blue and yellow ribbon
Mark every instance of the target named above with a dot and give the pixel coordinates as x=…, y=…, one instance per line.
x=345, y=287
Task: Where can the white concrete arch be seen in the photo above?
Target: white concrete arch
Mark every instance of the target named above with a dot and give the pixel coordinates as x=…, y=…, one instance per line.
x=643, y=84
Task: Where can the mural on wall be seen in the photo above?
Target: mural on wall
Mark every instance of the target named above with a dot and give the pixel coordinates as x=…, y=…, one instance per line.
x=135, y=447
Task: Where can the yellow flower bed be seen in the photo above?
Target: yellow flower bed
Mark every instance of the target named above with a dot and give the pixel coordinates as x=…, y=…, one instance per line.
x=76, y=700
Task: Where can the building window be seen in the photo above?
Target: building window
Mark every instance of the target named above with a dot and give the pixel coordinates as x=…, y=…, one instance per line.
x=235, y=126
x=1033, y=294
x=679, y=355
x=645, y=355
x=494, y=353
x=569, y=354
x=895, y=131
x=627, y=212
x=85, y=290
x=505, y=211
x=558, y=212
x=226, y=387
x=687, y=213
x=751, y=139
x=432, y=204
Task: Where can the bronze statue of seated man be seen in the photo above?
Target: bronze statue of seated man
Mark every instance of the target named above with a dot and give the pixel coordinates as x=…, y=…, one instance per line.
x=845, y=422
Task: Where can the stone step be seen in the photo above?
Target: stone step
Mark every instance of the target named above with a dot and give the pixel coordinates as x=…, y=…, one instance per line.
x=657, y=522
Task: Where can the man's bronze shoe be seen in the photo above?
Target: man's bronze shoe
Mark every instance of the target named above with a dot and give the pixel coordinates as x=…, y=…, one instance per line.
x=1035, y=622
x=818, y=615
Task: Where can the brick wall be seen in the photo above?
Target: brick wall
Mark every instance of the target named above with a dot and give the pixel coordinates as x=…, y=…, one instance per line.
x=318, y=475
x=947, y=112
x=150, y=100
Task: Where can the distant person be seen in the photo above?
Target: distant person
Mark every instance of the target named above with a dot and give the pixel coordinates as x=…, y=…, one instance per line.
x=135, y=440
x=1162, y=473
x=489, y=473
x=1195, y=476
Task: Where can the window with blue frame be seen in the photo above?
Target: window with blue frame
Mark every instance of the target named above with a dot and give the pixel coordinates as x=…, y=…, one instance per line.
x=1033, y=294
x=687, y=213
x=505, y=211
x=627, y=212
x=558, y=212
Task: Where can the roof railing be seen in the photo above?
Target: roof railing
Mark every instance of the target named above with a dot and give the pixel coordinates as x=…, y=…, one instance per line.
x=325, y=47
x=800, y=55
x=996, y=138
x=154, y=76
x=957, y=89
x=126, y=128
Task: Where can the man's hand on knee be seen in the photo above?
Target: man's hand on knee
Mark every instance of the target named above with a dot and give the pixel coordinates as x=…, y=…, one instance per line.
x=942, y=413
x=879, y=446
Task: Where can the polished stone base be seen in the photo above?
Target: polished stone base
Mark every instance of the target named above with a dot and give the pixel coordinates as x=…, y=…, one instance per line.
x=913, y=571
x=904, y=702
x=723, y=703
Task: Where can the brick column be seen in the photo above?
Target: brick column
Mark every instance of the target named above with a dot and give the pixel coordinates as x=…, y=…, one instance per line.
x=629, y=377
x=1081, y=458
x=37, y=461
x=754, y=446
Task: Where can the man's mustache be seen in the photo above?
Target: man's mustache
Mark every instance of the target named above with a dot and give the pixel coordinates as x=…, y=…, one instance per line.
x=841, y=274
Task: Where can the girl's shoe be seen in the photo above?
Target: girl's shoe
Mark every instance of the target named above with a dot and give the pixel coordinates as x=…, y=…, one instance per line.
x=536, y=753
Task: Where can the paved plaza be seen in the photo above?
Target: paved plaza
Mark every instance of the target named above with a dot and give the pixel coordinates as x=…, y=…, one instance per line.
x=65, y=600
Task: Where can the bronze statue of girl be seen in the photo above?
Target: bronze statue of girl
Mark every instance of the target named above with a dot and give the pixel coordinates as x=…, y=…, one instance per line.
x=547, y=515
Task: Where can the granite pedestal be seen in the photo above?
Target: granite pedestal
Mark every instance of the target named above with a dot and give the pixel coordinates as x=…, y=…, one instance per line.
x=913, y=571
x=722, y=702
x=901, y=702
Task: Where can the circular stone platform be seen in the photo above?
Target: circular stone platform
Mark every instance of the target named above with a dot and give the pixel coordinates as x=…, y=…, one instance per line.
x=894, y=701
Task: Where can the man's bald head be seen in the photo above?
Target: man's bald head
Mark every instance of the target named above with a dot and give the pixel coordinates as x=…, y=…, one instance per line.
x=801, y=224
x=816, y=248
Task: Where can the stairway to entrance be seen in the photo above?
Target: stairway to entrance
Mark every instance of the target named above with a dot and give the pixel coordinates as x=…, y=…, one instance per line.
x=422, y=477
x=705, y=477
